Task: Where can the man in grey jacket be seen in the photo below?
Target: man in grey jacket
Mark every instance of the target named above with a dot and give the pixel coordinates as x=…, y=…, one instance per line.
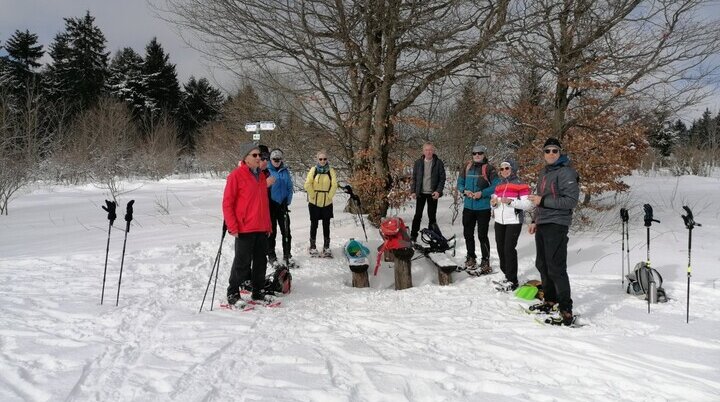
x=557, y=195
x=428, y=181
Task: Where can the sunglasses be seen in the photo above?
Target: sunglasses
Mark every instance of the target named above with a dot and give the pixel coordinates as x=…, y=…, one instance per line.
x=553, y=150
x=264, y=159
x=322, y=159
x=478, y=153
x=277, y=160
x=255, y=155
x=505, y=168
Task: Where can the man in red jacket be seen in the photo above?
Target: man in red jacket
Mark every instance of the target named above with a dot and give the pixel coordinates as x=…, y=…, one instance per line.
x=247, y=214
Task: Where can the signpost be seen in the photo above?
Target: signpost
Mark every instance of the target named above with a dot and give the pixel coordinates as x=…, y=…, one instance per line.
x=259, y=126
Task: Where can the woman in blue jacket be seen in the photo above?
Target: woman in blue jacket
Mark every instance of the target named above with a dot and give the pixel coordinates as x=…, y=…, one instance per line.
x=281, y=194
x=477, y=183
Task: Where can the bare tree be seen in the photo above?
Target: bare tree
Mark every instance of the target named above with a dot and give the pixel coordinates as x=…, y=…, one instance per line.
x=626, y=49
x=603, y=60
x=22, y=144
x=355, y=65
x=98, y=146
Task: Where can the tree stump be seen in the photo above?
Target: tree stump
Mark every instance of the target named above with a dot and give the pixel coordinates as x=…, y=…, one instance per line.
x=445, y=276
x=403, y=275
x=360, y=276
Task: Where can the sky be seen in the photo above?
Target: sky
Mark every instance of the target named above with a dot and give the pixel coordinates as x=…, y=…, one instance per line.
x=134, y=23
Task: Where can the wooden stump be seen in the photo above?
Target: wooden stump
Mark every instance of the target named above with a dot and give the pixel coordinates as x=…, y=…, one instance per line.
x=445, y=276
x=360, y=278
x=403, y=274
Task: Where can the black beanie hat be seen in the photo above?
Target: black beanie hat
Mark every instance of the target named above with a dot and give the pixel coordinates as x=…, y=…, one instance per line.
x=264, y=151
x=552, y=142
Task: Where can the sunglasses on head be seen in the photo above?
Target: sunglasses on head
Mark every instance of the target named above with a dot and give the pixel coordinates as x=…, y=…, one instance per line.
x=505, y=168
x=322, y=159
x=553, y=150
x=478, y=153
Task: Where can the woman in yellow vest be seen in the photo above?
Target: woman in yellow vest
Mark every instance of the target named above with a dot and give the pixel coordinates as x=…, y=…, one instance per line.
x=320, y=185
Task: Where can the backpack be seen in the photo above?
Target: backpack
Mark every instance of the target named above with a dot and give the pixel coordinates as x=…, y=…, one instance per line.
x=483, y=173
x=639, y=282
x=437, y=243
x=280, y=281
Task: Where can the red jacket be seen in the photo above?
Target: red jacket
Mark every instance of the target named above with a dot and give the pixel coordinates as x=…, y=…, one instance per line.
x=246, y=208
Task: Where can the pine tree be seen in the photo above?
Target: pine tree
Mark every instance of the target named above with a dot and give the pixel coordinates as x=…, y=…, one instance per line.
x=201, y=103
x=162, y=90
x=18, y=73
x=79, y=68
x=126, y=81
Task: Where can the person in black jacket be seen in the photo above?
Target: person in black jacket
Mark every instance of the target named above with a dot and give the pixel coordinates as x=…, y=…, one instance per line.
x=557, y=195
x=428, y=181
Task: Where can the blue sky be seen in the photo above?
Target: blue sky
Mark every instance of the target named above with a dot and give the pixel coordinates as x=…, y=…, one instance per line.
x=133, y=23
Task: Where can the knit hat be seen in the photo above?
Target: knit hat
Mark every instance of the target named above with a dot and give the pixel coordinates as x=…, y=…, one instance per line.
x=511, y=163
x=246, y=148
x=479, y=148
x=276, y=154
x=552, y=142
x=264, y=151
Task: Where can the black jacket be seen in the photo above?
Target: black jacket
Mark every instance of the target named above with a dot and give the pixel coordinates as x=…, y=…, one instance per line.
x=437, y=175
x=558, y=185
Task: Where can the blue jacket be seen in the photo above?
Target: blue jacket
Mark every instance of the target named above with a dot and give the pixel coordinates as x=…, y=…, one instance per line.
x=471, y=179
x=282, y=190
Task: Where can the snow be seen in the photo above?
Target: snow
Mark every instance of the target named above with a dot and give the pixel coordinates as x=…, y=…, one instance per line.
x=329, y=341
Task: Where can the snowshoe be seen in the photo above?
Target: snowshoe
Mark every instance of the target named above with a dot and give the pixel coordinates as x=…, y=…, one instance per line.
x=505, y=286
x=541, y=308
x=564, y=319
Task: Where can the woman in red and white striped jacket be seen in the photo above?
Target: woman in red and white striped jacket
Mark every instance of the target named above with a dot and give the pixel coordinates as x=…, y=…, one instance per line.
x=509, y=201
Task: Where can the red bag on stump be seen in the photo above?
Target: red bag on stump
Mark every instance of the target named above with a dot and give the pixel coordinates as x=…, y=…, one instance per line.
x=395, y=236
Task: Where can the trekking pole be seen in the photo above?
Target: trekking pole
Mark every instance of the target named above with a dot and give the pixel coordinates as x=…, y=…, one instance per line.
x=689, y=224
x=286, y=238
x=651, y=279
x=215, y=269
x=624, y=217
x=128, y=219
x=349, y=191
x=110, y=208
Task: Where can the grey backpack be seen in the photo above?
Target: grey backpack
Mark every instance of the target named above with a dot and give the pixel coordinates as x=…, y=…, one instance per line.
x=639, y=282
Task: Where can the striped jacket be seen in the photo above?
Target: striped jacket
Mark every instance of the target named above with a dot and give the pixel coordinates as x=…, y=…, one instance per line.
x=517, y=191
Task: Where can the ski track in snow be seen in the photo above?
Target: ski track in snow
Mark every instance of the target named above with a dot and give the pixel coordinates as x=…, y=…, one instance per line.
x=328, y=341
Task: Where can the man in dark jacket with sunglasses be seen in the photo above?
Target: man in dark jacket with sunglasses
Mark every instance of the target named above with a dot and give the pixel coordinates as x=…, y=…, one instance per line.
x=556, y=196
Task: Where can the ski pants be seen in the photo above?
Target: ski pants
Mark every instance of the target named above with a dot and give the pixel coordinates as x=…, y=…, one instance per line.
x=506, y=237
x=469, y=219
x=279, y=217
x=250, y=262
x=551, y=242
x=419, y=207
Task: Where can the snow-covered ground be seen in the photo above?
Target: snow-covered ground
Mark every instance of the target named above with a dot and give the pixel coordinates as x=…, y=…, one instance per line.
x=329, y=341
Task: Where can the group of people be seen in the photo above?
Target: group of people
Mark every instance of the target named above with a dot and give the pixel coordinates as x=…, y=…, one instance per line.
x=255, y=203
x=488, y=193
x=259, y=191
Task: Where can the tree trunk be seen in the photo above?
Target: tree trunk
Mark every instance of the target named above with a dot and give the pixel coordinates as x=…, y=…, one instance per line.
x=586, y=199
x=444, y=278
x=360, y=279
x=403, y=275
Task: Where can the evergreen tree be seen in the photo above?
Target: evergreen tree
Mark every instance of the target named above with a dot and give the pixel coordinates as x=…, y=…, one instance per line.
x=126, y=81
x=18, y=73
x=200, y=104
x=162, y=90
x=664, y=138
x=79, y=68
